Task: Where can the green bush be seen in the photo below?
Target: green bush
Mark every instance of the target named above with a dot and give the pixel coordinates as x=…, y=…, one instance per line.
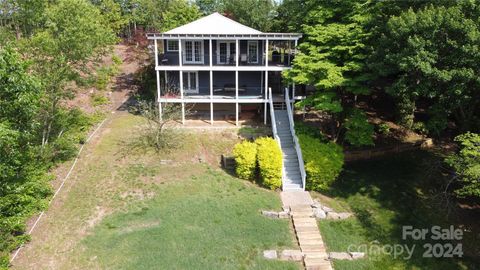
x=323, y=162
x=302, y=128
x=245, y=154
x=383, y=128
x=466, y=165
x=99, y=99
x=359, y=130
x=269, y=158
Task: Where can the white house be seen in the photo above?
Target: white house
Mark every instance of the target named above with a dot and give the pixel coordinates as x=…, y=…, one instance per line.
x=226, y=68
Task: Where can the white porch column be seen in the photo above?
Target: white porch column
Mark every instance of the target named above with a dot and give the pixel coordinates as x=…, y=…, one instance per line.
x=237, y=51
x=265, y=108
x=210, y=57
x=180, y=53
x=266, y=83
x=266, y=52
x=236, y=97
x=236, y=113
x=211, y=97
x=158, y=96
x=293, y=84
x=156, y=52
x=181, y=96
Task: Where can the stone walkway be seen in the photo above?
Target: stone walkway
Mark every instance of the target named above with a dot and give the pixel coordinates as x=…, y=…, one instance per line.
x=306, y=230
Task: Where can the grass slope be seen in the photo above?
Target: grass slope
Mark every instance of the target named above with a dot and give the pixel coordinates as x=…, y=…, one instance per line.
x=129, y=209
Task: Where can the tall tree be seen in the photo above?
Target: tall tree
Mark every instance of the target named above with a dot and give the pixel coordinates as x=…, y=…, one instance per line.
x=23, y=184
x=433, y=55
x=63, y=50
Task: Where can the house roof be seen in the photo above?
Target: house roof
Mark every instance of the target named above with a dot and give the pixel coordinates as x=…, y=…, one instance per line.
x=213, y=24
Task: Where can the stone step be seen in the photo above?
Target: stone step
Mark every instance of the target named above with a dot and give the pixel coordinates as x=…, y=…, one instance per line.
x=319, y=262
x=301, y=214
x=305, y=224
x=310, y=241
x=308, y=235
x=317, y=255
x=313, y=249
x=292, y=187
x=306, y=229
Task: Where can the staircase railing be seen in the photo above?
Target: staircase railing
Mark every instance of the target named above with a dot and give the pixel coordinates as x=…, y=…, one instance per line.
x=295, y=139
x=274, y=128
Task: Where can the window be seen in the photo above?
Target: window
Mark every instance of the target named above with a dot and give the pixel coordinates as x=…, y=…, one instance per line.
x=253, y=51
x=172, y=45
x=193, y=52
x=190, y=82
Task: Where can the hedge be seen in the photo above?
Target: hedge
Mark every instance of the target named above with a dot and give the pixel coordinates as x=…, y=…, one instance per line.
x=269, y=158
x=323, y=162
x=245, y=154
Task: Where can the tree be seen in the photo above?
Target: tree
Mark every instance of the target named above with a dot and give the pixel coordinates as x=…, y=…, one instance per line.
x=358, y=130
x=433, y=55
x=258, y=14
x=23, y=183
x=63, y=50
x=163, y=15
x=333, y=58
x=466, y=165
x=112, y=13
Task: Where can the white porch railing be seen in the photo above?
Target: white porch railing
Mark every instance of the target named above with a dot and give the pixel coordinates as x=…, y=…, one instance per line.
x=295, y=139
x=274, y=128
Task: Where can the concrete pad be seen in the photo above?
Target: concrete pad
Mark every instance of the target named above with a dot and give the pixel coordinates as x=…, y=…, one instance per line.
x=295, y=198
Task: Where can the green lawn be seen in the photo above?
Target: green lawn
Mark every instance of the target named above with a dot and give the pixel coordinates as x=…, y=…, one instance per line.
x=129, y=209
x=386, y=194
x=210, y=221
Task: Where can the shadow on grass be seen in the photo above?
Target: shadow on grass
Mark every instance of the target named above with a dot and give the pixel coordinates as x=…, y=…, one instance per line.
x=402, y=190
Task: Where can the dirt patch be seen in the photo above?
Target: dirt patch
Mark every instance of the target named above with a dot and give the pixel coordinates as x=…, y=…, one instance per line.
x=138, y=227
x=137, y=194
x=100, y=213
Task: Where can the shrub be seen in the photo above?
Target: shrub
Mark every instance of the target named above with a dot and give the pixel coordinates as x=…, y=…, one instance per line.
x=466, y=165
x=302, y=128
x=269, y=158
x=323, y=162
x=98, y=100
x=383, y=128
x=245, y=154
x=359, y=130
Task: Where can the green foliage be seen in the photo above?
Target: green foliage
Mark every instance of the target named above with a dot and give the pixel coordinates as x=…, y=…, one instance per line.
x=358, y=130
x=333, y=53
x=302, y=128
x=466, y=164
x=111, y=10
x=23, y=180
x=323, y=161
x=384, y=129
x=433, y=53
x=164, y=15
x=258, y=14
x=269, y=157
x=245, y=154
x=99, y=99
x=322, y=101
x=419, y=127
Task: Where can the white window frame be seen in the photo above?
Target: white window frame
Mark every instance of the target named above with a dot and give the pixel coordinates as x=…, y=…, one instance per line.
x=248, y=51
x=228, y=42
x=202, y=50
x=186, y=88
x=168, y=45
